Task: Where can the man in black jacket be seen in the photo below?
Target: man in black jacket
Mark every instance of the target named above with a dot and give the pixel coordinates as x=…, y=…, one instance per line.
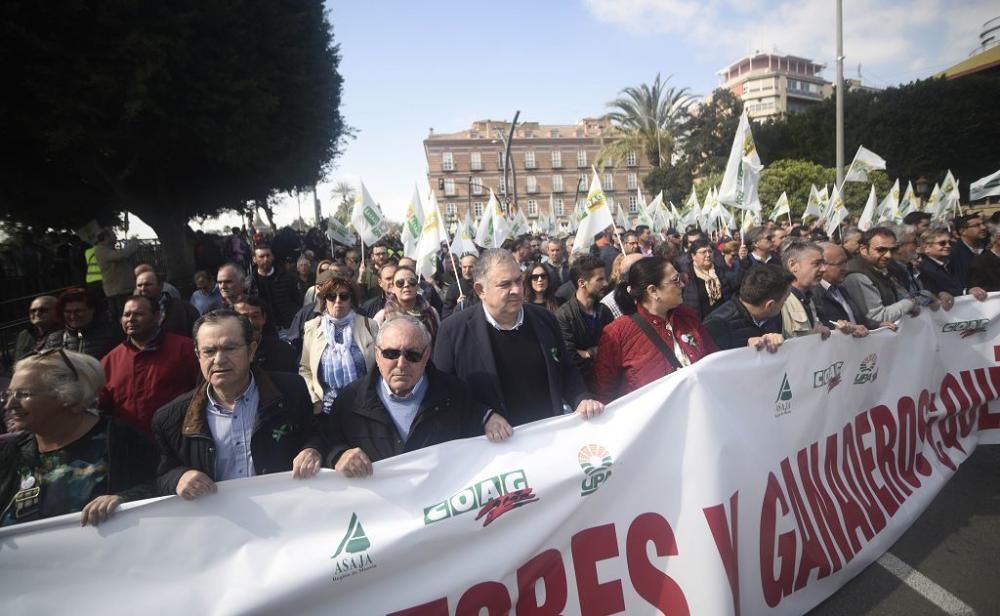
x=935, y=268
x=273, y=354
x=583, y=317
x=833, y=302
x=511, y=354
x=462, y=289
x=239, y=422
x=274, y=286
x=403, y=406
x=176, y=316
x=752, y=317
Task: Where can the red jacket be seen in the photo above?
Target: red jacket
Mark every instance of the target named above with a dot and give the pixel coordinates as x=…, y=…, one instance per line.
x=140, y=382
x=627, y=359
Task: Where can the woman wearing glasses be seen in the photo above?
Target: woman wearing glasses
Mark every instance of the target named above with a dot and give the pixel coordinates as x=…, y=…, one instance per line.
x=338, y=346
x=656, y=335
x=707, y=287
x=67, y=457
x=538, y=287
x=406, y=299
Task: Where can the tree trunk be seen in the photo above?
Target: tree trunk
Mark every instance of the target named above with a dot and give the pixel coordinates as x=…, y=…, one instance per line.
x=177, y=243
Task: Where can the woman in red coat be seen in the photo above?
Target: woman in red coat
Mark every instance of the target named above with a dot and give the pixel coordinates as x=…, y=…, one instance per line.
x=652, y=304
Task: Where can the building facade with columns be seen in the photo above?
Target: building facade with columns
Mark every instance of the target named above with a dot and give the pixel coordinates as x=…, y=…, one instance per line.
x=550, y=164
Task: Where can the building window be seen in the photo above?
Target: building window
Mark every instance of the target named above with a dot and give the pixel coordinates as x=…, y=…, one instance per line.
x=447, y=161
x=581, y=203
x=554, y=134
x=631, y=160
x=499, y=159
x=581, y=158
x=532, y=208
x=633, y=204
x=473, y=134
x=477, y=186
x=449, y=186
x=529, y=160
x=609, y=181
x=582, y=184
x=633, y=181
x=477, y=209
x=502, y=185
x=532, y=184
x=611, y=203
x=450, y=210
x=557, y=183
x=556, y=159
x=475, y=161
x=557, y=205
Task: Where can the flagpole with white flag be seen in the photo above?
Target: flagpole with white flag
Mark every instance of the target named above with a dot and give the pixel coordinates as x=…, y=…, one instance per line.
x=988, y=186
x=413, y=224
x=739, y=184
x=597, y=218
x=868, y=215
x=432, y=235
x=838, y=211
x=367, y=217
x=780, y=207
x=865, y=161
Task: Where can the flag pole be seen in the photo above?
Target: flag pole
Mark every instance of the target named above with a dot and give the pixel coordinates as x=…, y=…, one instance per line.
x=362, y=268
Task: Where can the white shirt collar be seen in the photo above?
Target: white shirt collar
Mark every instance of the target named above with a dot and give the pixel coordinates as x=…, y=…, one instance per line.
x=493, y=322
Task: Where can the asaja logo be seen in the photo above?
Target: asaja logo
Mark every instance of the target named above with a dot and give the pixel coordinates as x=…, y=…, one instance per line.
x=868, y=371
x=828, y=377
x=493, y=496
x=352, y=555
x=596, y=464
x=783, y=404
x=966, y=328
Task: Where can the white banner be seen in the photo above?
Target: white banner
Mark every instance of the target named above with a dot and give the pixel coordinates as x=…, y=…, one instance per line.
x=750, y=483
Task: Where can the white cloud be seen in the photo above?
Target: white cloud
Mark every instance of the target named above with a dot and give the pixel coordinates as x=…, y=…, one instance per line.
x=901, y=39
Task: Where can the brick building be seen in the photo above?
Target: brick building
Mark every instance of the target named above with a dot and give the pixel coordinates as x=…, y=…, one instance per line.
x=549, y=160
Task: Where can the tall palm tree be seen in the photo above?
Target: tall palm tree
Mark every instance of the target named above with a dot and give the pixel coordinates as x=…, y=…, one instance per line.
x=345, y=191
x=646, y=119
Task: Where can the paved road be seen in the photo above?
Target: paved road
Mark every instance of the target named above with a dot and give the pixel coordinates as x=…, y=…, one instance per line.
x=954, y=547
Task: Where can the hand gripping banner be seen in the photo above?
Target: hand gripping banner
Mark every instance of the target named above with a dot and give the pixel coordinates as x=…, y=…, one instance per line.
x=749, y=483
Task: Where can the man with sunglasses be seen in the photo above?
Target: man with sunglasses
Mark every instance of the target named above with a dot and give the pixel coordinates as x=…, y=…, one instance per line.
x=42, y=321
x=403, y=406
x=760, y=248
x=935, y=268
x=879, y=295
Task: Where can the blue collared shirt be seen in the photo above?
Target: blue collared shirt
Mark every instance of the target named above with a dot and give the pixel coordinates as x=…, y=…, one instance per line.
x=403, y=409
x=232, y=431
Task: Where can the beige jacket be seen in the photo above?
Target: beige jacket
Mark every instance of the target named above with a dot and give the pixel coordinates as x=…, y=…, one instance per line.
x=794, y=320
x=314, y=343
x=116, y=268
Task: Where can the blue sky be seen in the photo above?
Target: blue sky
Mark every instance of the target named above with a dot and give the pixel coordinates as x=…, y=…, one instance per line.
x=409, y=66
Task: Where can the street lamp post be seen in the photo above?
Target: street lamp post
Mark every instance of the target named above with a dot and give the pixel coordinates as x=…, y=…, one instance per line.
x=840, y=93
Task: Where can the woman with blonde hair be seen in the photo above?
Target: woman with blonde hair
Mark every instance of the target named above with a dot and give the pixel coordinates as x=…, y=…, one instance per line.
x=68, y=458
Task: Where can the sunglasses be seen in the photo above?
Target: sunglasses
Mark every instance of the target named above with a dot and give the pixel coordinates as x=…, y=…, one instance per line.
x=38, y=311
x=410, y=355
x=409, y=282
x=539, y=276
x=65, y=358
x=943, y=243
x=343, y=296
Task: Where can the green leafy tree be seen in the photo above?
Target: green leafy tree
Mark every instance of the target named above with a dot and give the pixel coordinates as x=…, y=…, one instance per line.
x=674, y=181
x=646, y=119
x=709, y=132
x=169, y=110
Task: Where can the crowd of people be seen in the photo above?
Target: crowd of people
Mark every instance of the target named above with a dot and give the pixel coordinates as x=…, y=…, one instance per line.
x=334, y=358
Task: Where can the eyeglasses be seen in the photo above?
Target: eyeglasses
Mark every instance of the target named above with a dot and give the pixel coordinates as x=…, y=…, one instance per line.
x=409, y=282
x=942, y=243
x=343, y=296
x=885, y=249
x=539, y=276
x=65, y=358
x=38, y=311
x=16, y=394
x=211, y=352
x=676, y=279
x=410, y=355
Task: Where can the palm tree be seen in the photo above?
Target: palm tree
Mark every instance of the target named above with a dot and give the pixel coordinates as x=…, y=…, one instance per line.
x=345, y=191
x=646, y=119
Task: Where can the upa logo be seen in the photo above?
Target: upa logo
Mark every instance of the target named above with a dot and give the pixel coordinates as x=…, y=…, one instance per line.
x=966, y=328
x=783, y=404
x=352, y=555
x=493, y=496
x=596, y=463
x=868, y=371
x=828, y=377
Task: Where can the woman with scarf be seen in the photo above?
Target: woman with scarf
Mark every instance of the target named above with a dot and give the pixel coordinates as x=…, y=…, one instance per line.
x=406, y=299
x=338, y=346
x=706, y=287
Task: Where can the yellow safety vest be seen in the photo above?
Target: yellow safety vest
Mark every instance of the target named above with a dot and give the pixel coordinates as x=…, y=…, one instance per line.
x=93, y=267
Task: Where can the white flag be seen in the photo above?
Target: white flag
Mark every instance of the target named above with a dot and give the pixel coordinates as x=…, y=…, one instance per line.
x=864, y=161
x=335, y=231
x=950, y=186
x=739, y=184
x=868, y=215
x=888, y=209
x=519, y=224
x=493, y=228
x=838, y=211
x=780, y=208
x=463, y=241
x=812, y=205
x=621, y=220
x=367, y=217
x=655, y=210
x=936, y=204
x=988, y=186
x=951, y=198
x=432, y=235
x=413, y=223
x=909, y=202
x=597, y=219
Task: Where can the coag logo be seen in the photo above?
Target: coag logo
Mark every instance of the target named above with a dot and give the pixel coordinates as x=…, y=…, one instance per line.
x=493, y=497
x=966, y=328
x=596, y=464
x=868, y=371
x=352, y=555
x=828, y=377
x=783, y=403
